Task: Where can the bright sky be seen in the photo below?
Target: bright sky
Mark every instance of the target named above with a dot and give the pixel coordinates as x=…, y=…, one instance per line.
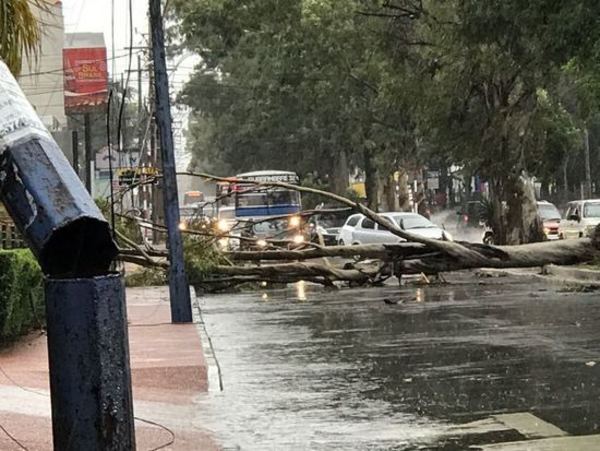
x=95, y=16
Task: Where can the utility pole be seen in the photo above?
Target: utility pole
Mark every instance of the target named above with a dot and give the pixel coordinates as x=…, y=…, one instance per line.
x=87, y=132
x=156, y=197
x=181, y=309
x=75, y=151
x=140, y=101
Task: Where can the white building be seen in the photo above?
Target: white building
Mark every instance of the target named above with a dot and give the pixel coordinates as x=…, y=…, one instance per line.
x=42, y=80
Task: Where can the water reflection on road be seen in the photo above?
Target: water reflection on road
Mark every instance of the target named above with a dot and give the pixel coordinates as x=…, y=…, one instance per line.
x=305, y=368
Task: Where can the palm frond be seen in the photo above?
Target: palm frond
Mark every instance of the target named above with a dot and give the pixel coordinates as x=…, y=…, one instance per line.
x=20, y=31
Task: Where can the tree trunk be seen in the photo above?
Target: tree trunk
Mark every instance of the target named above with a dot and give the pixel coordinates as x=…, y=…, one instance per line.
x=370, y=180
x=494, y=216
x=565, y=180
x=403, y=192
x=523, y=222
x=588, y=174
x=340, y=174
x=390, y=195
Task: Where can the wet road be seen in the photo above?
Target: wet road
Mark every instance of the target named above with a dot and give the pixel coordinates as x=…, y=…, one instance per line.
x=307, y=369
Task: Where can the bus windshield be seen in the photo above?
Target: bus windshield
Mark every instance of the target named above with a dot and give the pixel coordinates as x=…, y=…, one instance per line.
x=265, y=202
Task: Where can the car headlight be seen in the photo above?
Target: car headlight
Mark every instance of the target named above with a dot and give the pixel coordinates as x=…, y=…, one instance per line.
x=223, y=226
x=224, y=243
x=295, y=221
x=298, y=239
x=182, y=225
x=261, y=243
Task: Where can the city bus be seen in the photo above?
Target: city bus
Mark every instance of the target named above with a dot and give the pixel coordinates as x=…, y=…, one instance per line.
x=269, y=201
x=253, y=206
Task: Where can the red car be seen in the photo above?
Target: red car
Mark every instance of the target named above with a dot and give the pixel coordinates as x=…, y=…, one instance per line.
x=551, y=217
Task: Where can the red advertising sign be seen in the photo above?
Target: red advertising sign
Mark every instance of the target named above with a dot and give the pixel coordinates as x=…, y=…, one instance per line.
x=86, y=79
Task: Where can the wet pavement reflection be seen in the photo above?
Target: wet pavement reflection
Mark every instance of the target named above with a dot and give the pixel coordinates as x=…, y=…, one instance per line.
x=304, y=368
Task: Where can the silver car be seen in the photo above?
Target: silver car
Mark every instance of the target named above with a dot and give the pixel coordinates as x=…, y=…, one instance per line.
x=366, y=231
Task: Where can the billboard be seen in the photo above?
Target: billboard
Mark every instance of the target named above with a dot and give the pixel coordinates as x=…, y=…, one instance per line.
x=86, y=79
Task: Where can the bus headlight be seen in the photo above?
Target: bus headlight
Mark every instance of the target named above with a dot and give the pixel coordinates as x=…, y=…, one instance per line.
x=224, y=243
x=261, y=243
x=298, y=239
x=182, y=225
x=222, y=225
x=295, y=221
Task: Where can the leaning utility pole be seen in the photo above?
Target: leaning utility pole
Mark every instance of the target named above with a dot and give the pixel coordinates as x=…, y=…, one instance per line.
x=181, y=309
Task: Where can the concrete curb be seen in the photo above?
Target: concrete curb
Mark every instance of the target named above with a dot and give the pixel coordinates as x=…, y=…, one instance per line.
x=552, y=274
x=571, y=273
x=213, y=370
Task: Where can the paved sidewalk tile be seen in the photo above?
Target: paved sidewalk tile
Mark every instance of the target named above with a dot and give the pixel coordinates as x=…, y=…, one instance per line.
x=168, y=372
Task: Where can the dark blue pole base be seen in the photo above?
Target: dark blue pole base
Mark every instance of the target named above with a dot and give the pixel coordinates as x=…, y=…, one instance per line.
x=90, y=376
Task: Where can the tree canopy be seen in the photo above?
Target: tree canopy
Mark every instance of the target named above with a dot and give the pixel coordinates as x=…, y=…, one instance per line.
x=503, y=89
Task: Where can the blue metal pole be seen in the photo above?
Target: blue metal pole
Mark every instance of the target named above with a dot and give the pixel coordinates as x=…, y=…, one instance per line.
x=90, y=381
x=88, y=351
x=181, y=305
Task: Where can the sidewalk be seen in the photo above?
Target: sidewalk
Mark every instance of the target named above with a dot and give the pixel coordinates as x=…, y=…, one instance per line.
x=168, y=370
x=562, y=275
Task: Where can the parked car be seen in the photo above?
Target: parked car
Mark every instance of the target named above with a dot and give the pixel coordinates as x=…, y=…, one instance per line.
x=362, y=230
x=549, y=215
x=347, y=230
x=327, y=225
x=551, y=219
x=581, y=217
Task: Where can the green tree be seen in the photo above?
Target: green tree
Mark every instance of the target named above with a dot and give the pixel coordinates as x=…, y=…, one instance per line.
x=299, y=85
x=483, y=69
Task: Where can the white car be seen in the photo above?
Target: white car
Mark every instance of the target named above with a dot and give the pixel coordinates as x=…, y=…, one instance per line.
x=581, y=217
x=345, y=233
x=361, y=230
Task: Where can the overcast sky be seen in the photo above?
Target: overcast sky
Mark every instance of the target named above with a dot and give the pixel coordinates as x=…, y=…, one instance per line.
x=95, y=16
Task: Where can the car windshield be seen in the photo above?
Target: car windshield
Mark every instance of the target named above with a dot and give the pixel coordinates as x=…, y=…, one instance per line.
x=548, y=211
x=413, y=222
x=591, y=210
x=271, y=228
x=328, y=220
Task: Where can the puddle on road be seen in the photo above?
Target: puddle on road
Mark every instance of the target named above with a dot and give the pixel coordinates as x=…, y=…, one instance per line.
x=312, y=369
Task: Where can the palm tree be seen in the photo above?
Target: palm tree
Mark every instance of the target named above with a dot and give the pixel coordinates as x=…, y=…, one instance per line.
x=19, y=31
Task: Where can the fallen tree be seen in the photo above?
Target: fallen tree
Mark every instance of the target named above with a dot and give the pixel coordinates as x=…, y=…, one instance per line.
x=413, y=255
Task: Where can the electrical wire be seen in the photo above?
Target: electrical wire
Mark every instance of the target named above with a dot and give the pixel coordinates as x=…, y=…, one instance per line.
x=14, y=382
x=169, y=431
x=62, y=69
x=151, y=423
x=10, y=436
x=124, y=96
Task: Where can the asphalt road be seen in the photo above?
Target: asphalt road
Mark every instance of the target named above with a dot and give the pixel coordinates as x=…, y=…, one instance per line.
x=305, y=368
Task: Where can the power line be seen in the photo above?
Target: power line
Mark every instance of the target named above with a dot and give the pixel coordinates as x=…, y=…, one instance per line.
x=61, y=70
